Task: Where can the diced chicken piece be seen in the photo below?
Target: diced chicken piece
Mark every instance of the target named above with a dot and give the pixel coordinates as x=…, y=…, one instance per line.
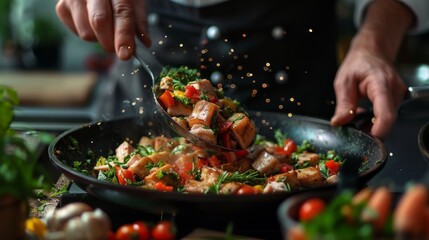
x=272, y=187
x=205, y=86
x=332, y=179
x=209, y=177
x=166, y=83
x=164, y=174
x=203, y=132
x=181, y=121
x=179, y=110
x=290, y=178
x=308, y=159
x=243, y=130
x=310, y=177
x=203, y=113
x=266, y=163
x=194, y=186
x=133, y=159
x=240, y=165
x=270, y=147
x=164, y=144
x=139, y=168
x=160, y=157
x=124, y=150
x=209, y=174
x=254, y=151
x=185, y=158
x=230, y=188
x=226, y=102
x=146, y=141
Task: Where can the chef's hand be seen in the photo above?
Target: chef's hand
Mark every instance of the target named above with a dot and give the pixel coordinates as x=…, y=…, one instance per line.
x=367, y=74
x=367, y=71
x=113, y=23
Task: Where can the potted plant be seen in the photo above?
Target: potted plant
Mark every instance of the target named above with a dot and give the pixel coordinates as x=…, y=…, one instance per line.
x=19, y=174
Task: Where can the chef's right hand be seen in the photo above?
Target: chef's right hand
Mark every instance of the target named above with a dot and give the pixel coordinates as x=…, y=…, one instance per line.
x=113, y=23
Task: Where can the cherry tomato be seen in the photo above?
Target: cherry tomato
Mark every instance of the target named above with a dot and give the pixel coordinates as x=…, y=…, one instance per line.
x=136, y=231
x=311, y=208
x=246, y=190
x=164, y=230
x=289, y=146
x=334, y=167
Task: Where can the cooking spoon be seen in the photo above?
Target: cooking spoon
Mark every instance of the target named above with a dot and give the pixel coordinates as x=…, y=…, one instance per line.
x=151, y=65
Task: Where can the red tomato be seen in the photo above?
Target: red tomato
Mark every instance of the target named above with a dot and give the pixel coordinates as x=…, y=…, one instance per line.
x=167, y=99
x=246, y=190
x=136, y=231
x=289, y=146
x=311, y=208
x=192, y=92
x=160, y=186
x=164, y=230
x=334, y=167
x=123, y=175
x=280, y=151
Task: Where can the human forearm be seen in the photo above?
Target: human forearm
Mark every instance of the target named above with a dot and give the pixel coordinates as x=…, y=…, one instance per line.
x=384, y=25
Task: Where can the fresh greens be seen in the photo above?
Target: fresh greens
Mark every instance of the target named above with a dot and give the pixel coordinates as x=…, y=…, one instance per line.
x=337, y=223
x=181, y=76
x=19, y=173
x=250, y=176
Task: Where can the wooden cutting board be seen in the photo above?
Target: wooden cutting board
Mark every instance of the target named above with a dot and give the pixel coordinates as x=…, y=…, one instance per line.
x=51, y=89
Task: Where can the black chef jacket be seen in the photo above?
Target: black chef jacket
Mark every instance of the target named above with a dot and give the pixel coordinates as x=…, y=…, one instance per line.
x=271, y=55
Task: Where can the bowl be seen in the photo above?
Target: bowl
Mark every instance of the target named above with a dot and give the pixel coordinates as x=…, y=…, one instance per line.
x=288, y=211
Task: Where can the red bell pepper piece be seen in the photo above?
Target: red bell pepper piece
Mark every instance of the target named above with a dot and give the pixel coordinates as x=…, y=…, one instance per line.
x=226, y=140
x=191, y=92
x=124, y=175
x=334, y=167
x=160, y=186
x=167, y=99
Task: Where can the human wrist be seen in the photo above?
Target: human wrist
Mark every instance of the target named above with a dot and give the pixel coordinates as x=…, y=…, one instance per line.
x=384, y=25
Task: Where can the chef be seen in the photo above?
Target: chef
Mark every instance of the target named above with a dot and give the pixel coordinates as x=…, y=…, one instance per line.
x=270, y=55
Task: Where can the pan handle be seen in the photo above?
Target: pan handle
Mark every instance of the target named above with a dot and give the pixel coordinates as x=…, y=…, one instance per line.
x=418, y=92
x=362, y=121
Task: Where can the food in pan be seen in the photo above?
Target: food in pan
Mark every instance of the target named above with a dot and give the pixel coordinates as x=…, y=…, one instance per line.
x=197, y=106
x=173, y=164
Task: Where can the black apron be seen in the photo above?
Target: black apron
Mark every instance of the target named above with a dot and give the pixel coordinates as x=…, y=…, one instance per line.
x=270, y=55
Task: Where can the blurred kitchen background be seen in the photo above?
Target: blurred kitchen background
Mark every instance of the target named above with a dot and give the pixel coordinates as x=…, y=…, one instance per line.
x=64, y=81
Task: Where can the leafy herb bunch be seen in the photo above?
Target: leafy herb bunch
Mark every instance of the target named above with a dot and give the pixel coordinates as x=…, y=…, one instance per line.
x=19, y=173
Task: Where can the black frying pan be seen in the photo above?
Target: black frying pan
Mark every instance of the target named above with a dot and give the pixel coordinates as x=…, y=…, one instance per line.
x=102, y=138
